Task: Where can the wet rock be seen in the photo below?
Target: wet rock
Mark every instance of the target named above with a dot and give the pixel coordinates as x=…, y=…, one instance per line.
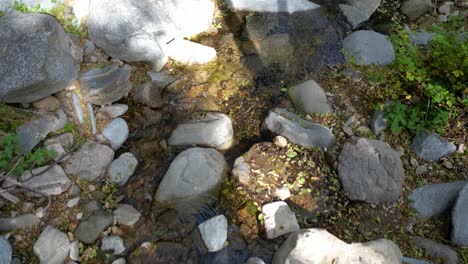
x=371, y=171
x=279, y=219
x=193, y=173
x=18, y=222
x=39, y=62
x=58, y=152
x=214, y=232
x=115, y=244
x=48, y=104
x=52, y=246
x=319, y=246
x=211, y=130
x=90, y=162
x=75, y=250
x=149, y=95
x=431, y=147
x=436, y=250
x=189, y=53
x=89, y=230
x=106, y=85
x=51, y=181
x=271, y=7
x=115, y=110
x=160, y=79
x=435, y=199
x=241, y=170
x=116, y=132
x=415, y=8
x=378, y=122
x=5, y=250
x=65, y=139
x=297, y=130
x=123, y=168
x=366, y=47
x=354, y=15
x=460, y=219
x=309, y=98
x=127, y=215
x=142, y=31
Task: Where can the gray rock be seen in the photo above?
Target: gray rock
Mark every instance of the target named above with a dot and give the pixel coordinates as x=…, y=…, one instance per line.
x=18, y=222
x=378, y=122
x=90, y=206
x=53, y=181
x=106, y=85
x=371, y=171
x=133, y=30
x=255, y=260
x=127, y=215
x=212, y=130
x=431, y=147
x=414, y=261
x=123, y=168
x=241, y=170
x=297, y=130
x=92, y=118
x=65, y=139
x=73, y=202
x=309, y=98
x=279, y=219
x=5, y=251
x=416, y=8
x=160, y=79
x=421, y=38
x=114, y=244
x=39, y=62
x=460, y=219
x=435, y=199
x=89, y=50
x=116, y=132
x=90, y=162
x=48, y=104
x=354, y=15
x=368, y=7
x=57, y=150
x=76, y=50
x=436, y=250
x=30, y=134
x=77, y=109
x=193, y=173
x=52, y=246
x=214, y=232
x=74, y=190
x=115, y=110
x=446, y=7
x=271, y=7
x=75, y=250
x=366, y=47
x=319, y=246
x=89, y=230
x=149, y=95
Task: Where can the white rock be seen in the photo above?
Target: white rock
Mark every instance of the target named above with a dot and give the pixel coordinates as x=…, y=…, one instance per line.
x=114, y=244
x=189, y=53
x=119, y=261
x=116, y=132
x=52, y=246
x=214, y=232
x=279, y=219
x=283, y=192
x=115, y=110
x=73, y=202
x=123, y=168
x=280, y=141
x=75, y=250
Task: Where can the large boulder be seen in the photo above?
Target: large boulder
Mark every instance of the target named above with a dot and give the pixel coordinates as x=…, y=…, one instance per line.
x=90, y=162
x=212, y=130
x=371, y=171
x=320, y=247
x=309, y=98
x=431, y=147
x=298, y=130
x=271, y=6
x=52, y=246
x=460, y=219
x=193, y=173
x=366, y=47
x=435, y=199
x=35, y=61
x=134, y=30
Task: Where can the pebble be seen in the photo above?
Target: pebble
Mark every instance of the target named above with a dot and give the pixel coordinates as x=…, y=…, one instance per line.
x=283, y=192
x=39, y=212
x=280, y=141
x=73, y=202
x=414, y=162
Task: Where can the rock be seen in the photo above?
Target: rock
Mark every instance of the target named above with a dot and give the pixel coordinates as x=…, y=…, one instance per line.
x=416, y=8
x=309, y=98
x=89, y=49
x=189, y=53
x=91, y=206
x=279, y=219
x=436, y=250
x=271, y=7
x=212, y=130
x=378, y=122
x=160, y=79
x=106, y=85
x=421, y=38
x=371, y=171
x=297, y=130
x=255, y=260
x=74, y=190
x=48, y=104
x=368, y=7
x=127, y=215
x=39, y=212
x=282, y=192
x=354, y=74
x=414, y=261
x=116, y=132
x=65, y=139
x=214, y=232
x=446, y=8
x=123, y=168
x=132, y=30
x=431, y=147
x=52, y=181
x=421, y=170
x=241, y=170
x=76, y=50
x=77, y=109
x=5, y=251
x=354, y=15
x=73, y=202
x=115, y=110
x=57, y=150
x=89, y=230
x=75, y=250
x=18, y=222
x=52, y=246
x=193, y=173
x=90, y=162
x=280, y=141
x=149, y=95
x=366, y=47
x=435, y=199
x=92, y=118
x=119, y=261
x=348, y=131
x=460, y=219
x=39, y=62
x=271, y=49
x=114, y=244
x=319, y=246
x=442, y=18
